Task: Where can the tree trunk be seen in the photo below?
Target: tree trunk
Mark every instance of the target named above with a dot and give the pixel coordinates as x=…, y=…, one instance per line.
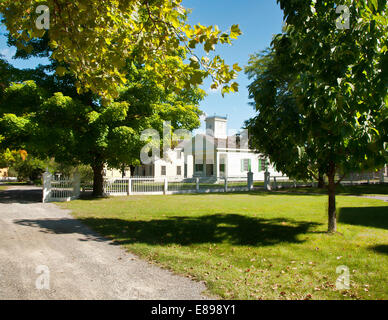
x=98, y=180
x=123, y=171
x=132, y=168
x=332, y=207
x=321, y=181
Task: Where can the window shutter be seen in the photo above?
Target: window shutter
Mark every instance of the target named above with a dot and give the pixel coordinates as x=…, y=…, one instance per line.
x=250, y=165
x=260, y=168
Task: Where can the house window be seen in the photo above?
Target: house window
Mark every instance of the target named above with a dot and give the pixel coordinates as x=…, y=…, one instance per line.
x=222, y=167
x=245, y=165
x=199, y=167
x=179, y=170
x=179, y=154
x=163, y=173
x=263, y=165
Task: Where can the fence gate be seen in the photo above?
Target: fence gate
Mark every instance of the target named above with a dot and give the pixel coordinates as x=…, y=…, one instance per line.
x=59, y=189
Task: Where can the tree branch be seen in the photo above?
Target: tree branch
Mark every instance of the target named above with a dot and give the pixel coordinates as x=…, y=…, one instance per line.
x=339, y=181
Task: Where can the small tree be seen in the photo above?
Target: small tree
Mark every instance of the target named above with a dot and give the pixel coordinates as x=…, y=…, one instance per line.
x=29, y=168
x=321, y=92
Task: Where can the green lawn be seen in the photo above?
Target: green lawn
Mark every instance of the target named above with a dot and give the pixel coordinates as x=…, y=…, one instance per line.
x=372, y=189
x=253, y=246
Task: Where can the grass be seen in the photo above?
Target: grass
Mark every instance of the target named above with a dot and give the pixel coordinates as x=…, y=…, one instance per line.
x=371, y=189
x=253, y=246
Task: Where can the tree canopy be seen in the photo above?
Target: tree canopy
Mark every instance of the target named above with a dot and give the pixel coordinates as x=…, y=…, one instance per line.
x=47, y=117
x=93, y=40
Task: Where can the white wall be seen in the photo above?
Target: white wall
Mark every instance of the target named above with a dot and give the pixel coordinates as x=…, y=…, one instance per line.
x=171, y=164
x=115, y=173
x=189, y=159
x=233, y=166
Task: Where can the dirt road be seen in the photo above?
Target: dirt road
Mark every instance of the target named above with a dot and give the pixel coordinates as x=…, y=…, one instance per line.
x=47, y=254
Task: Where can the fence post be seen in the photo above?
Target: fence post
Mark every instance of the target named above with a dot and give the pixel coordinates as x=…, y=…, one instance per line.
x=46, y=186
x=267, y=178
x=129, y=186
x=76, y=184
x=197, y=184
x=275, y=185
x=226, y=184
x=165, y=186
x=295, y=184
x=250, y=181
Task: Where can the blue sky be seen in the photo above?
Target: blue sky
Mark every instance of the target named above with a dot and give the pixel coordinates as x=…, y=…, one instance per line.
x=259, y=20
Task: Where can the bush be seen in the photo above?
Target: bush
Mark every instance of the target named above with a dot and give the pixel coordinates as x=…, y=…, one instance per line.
x=30, y=169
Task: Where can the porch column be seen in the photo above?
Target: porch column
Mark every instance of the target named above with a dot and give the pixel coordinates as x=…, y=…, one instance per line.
x=217, y=165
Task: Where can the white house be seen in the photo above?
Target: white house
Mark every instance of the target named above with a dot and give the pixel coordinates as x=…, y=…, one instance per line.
x=212, y=155
x=218, y=154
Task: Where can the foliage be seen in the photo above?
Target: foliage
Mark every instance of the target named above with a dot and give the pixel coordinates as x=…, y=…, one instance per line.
x=9, y=157
x=86, y=173
x=321, y=92
x=94, y=40
x=6, y=71
x=6, y=158
x=78, y=129
x=329, y=98
x=29, y=169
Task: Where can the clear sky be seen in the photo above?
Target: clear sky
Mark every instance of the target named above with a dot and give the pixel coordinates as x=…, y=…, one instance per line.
x=259, y=20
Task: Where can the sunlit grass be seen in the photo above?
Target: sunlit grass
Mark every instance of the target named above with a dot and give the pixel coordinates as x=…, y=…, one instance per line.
x=253, y=246
x=372, y=189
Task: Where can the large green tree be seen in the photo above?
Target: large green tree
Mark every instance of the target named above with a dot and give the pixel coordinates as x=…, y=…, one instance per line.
x=50, y=119
x=94, y=39
x=321, y=92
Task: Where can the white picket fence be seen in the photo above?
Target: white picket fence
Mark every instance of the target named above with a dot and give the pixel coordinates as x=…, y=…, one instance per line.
x=55, y=189
x=60, y=190
x=172, y=185
x=279, y=182
x=365, y=178
x=8, y=179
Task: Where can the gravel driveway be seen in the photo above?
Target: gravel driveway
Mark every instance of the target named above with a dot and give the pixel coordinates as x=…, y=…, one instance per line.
x=47, y=254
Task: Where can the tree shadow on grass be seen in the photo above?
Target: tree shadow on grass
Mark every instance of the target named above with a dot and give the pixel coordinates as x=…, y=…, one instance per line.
x=376, y=217
x=233, y=229
x=383, y=248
